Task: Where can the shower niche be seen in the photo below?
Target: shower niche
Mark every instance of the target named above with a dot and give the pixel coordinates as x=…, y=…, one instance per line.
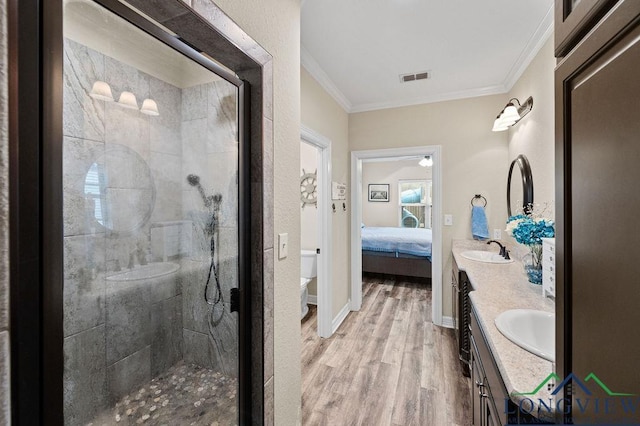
x=152, y=227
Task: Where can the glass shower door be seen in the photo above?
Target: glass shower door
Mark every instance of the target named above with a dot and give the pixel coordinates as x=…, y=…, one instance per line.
x=151, y=229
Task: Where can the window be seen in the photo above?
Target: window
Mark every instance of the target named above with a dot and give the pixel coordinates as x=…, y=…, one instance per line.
x=415, y=203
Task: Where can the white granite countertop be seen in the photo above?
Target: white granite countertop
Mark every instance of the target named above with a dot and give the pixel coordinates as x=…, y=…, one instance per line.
x=497, y=288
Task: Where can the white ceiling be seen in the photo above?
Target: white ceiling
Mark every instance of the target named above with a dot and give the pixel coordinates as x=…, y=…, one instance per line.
x=357, y=49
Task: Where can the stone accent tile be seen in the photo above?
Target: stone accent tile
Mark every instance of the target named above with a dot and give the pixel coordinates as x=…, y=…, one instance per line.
x=5, y=383
x=85, y=378
x=197, y=349
x=129, y=374
x=267, y=188
x=268, y=280
x=224, y=329
x=128, y=324
x=83, y=116
x=267, y=89
x=166, y=343
x=4, y=198
x=269, y=418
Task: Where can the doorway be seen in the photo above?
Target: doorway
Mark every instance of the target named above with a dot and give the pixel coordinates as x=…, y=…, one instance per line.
x=357, y=159
x=42, y=173
x=323, y=231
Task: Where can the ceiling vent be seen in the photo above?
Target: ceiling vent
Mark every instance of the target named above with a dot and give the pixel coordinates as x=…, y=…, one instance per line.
x=423, y=75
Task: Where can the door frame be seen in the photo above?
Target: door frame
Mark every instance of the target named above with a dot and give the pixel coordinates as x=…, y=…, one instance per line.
x=325, y=230
x=357, y=158
x=35, y=74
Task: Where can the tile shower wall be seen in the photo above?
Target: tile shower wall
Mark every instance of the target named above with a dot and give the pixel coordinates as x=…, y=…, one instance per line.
x=120, y=335
x=117, y=335
x=209, y=114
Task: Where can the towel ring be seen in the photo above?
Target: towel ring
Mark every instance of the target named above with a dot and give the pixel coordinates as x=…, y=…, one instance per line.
x=477, y=197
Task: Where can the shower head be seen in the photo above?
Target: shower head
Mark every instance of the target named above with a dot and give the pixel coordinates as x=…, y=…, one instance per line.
x=193, y=180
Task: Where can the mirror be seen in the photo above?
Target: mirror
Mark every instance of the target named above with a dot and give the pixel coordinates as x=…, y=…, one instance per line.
x=522, y=196
x=119, y=190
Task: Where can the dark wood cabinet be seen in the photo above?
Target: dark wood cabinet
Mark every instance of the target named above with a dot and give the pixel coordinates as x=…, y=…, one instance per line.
x=488, y=391
x=597, y=176
x=460, y=287
x=574, y=18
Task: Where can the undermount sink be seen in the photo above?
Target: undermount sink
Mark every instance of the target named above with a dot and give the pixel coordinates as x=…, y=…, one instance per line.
x=532, y=330
x=484, y=256
x=145, y=272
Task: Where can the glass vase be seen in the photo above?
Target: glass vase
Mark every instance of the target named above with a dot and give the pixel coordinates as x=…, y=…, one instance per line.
x=533, y=264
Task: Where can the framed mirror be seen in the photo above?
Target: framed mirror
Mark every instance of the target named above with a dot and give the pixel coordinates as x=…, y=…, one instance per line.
x=119, y=190
x=522, y=196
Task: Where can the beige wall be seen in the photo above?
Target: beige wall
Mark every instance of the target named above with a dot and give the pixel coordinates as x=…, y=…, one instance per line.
x=321, y=113
x=534, y=135
x=387, y=214
x=5, y=395
x=475, y=159
x=275, y=24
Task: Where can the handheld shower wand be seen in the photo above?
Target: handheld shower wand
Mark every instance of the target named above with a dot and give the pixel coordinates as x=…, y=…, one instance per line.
x=211, y=201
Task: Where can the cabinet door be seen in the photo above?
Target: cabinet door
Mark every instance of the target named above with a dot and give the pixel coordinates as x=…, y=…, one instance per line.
x=477, y=388
x=574, y=18
x=598, y=153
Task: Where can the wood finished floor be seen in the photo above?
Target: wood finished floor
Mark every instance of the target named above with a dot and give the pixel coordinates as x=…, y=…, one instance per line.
x=386, y=365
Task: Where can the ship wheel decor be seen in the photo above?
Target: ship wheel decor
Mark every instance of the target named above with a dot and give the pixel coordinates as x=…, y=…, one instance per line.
x=309, y=188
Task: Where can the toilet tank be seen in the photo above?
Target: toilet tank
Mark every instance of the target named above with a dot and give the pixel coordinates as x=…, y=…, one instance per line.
x=308, y=263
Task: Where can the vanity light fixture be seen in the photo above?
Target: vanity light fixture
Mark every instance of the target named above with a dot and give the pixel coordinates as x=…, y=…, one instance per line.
x=512, y=113
x=427, y=161
x=149, y=107
x=128, y=100
x=101, y=91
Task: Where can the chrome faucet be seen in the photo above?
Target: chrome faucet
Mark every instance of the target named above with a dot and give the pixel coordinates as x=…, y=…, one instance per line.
x=503, y=250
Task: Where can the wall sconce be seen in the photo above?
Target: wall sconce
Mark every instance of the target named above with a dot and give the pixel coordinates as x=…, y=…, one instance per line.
x=427, y=161
x=511, y=114
x=128, y=100
x=149, y=107
x=101, y=91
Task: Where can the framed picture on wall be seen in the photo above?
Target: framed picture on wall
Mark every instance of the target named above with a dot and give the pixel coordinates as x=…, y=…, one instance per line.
x=379, y=192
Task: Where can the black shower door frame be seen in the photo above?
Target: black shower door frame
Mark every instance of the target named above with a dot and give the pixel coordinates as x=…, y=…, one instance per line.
x=36, y=198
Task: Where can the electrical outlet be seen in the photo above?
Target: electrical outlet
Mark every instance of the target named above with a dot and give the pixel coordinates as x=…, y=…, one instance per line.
x=448, y=220
x=497, y=234
x=283, y=245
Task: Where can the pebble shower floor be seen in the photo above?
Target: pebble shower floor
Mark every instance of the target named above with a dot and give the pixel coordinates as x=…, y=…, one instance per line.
x=186, y=394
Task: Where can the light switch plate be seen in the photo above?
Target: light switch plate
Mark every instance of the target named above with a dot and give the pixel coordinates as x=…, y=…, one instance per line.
x=448, y=220
x=283, y=245
x=497, y=234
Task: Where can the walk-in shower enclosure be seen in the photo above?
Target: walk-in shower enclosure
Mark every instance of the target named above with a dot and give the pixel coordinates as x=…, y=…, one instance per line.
x=151, y=172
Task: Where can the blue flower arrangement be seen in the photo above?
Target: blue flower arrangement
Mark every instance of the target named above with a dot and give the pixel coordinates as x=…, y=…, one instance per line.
x=529, y=229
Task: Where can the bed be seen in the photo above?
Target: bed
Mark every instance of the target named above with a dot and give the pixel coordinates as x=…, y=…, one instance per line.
x=397, y=251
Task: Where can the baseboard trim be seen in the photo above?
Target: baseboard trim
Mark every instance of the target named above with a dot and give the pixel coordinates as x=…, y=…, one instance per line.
x=312, y=300
x=447, y=322
x=337, y=321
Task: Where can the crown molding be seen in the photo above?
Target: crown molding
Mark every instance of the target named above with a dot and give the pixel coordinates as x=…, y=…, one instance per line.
x=316, y=71
x=451, y=96
x=531, y=49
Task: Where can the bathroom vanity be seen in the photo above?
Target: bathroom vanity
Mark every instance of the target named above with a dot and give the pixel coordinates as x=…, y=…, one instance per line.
x=500, y=370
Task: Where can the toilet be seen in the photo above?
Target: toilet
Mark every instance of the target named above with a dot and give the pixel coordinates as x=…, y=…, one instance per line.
x=308, y=271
